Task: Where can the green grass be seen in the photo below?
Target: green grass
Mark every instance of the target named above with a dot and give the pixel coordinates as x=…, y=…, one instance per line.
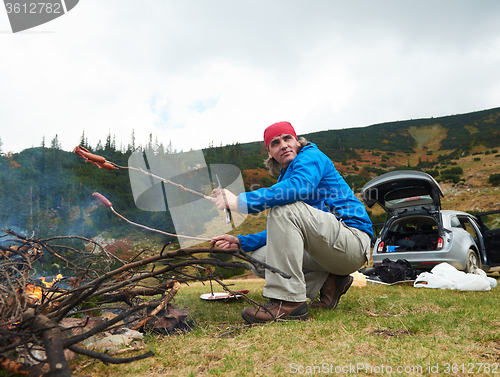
x=374, y=328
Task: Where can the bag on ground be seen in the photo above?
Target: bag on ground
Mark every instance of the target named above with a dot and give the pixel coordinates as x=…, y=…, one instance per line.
x=391, y=272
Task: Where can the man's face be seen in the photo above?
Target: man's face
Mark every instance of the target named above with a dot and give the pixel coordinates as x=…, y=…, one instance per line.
x=283, y=149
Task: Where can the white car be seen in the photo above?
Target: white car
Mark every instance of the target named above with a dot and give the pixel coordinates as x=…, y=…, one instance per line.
x=416, y=229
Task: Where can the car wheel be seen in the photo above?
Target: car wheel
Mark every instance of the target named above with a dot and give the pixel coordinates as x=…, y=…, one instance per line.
x=472, y=264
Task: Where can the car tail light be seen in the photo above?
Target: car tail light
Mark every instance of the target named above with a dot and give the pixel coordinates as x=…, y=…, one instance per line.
x=380, y=247
x=439, y=243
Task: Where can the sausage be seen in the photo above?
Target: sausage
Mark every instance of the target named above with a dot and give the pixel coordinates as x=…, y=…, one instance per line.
x=84, y=153
x=106, y=165
x=102, y=199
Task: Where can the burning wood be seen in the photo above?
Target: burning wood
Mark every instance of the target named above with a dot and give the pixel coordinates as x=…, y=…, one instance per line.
x=31, y=314
x=49, y=284
x=35, y=294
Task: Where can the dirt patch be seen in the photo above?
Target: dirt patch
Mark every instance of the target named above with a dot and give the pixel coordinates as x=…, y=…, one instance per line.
x=428, y=137
x=491, y=351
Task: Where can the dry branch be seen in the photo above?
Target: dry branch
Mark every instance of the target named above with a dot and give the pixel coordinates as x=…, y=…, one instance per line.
x=163, y=305
x=93, y=285
x=52, y=340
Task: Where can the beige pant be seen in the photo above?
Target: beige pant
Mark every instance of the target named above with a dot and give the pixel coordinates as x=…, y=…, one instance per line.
x=307, y=244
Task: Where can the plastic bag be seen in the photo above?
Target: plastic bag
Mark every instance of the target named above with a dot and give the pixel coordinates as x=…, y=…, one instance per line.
x=429, y=280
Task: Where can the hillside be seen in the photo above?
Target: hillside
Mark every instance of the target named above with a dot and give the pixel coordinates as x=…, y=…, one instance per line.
x=456, y=133
x=473, y=193
x=49, y=191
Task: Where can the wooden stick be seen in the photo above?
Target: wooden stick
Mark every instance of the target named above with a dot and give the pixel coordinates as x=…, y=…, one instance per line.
x=199, y=194
x=162, y=305
x=159, y=231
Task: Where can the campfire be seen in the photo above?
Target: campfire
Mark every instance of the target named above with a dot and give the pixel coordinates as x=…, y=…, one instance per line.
x=35, y=293
x=49, y=284
x=36, y=312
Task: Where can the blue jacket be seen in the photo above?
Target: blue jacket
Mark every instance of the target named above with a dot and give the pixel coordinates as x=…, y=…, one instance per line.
x=311, y=178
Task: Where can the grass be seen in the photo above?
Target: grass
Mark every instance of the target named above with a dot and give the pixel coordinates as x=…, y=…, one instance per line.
x=375, y=330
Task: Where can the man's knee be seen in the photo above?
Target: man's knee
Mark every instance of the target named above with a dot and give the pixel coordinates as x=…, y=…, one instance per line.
x=287, y=209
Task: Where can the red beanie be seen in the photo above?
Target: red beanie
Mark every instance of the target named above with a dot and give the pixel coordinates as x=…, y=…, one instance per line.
x=278, y=129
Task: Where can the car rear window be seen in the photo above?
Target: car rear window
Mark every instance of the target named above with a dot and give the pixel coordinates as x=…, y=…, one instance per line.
x=408, y=201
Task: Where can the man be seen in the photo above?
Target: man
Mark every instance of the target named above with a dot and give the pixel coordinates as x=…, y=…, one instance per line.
x=318, y=232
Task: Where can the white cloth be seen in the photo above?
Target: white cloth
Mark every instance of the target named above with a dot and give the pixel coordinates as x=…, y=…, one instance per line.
x=445, y=276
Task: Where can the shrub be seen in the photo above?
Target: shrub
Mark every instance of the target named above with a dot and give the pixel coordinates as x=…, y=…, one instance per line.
x=494, y=179
x=457, y=170
x=450, y=177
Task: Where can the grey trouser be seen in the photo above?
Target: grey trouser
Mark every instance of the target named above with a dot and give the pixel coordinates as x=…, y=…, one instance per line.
x=308, y=244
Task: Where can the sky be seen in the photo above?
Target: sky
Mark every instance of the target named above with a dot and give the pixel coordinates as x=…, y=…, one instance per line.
x=196, y=73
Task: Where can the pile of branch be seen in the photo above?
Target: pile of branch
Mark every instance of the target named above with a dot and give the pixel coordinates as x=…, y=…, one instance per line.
x=97, y=280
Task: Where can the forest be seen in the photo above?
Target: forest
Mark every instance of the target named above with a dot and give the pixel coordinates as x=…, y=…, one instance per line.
x=48, y=191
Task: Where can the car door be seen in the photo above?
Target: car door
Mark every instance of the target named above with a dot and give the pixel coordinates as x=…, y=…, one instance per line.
x=490, y=227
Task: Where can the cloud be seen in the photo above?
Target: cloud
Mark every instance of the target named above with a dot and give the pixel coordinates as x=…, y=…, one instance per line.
x=198, y=72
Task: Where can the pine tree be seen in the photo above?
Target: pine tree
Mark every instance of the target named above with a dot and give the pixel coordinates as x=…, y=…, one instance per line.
x=131, y=146
x=54, y=144
x=108, y=147
x=149, y=146
x=82, y=140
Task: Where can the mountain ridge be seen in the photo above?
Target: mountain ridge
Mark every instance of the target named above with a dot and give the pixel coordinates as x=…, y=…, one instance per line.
x=48, y=190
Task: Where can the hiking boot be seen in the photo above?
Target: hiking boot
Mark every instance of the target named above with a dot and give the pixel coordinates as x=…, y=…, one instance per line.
x=334, y=287
x=276, y=310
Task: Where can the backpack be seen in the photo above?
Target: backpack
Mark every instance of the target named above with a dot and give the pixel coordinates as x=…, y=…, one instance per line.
x=391, y=272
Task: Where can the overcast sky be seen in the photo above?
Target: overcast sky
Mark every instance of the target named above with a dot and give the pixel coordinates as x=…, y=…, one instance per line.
x=195, y=72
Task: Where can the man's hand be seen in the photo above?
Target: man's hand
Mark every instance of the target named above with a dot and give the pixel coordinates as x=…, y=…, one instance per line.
x=223, y=198
x=226, y=241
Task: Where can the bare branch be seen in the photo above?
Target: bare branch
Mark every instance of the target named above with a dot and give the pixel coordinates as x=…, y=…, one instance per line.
x=31, y=313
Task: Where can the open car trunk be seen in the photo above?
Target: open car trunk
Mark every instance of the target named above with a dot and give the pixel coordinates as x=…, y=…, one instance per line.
x=399, y=192
x=415, y=233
